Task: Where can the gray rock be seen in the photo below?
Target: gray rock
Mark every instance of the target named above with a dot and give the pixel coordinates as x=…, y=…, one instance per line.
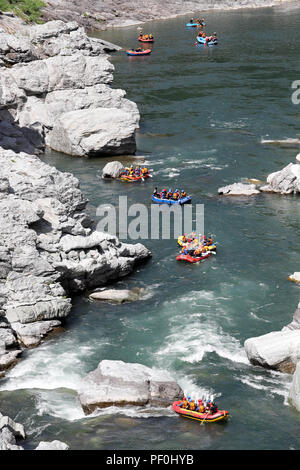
x=31, y=334
x=239, y=189
x=91, y=132
x=294, y=394
x=285, y=181
x=15, y=428
x=117, y=295
x=9, y=359
x=53, y=445
x=119, y=383
x=8, y=441
x=112, y=170
x=279, y=350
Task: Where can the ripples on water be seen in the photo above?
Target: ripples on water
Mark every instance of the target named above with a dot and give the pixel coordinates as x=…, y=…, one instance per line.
x=204, y=114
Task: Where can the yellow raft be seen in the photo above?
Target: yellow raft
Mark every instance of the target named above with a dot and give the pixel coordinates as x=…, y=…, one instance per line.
x=195, y=243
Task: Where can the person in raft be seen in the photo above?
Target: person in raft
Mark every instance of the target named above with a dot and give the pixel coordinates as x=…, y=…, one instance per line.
x=137, y=171
x=163, y=194
x=169, y=194
x=145, y=171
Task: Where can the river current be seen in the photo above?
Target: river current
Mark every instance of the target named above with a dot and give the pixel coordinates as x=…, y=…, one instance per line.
x=204, y=112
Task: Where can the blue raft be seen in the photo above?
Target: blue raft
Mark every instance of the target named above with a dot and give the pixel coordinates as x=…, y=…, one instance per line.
x=201, y=40
x=184, y=200
x=193, y=25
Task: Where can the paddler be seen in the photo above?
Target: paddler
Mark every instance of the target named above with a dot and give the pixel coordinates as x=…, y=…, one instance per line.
x=184, y=239
x=131, y=170
x=192, y=405
x=209, y=241
x=200, y=408
x=169, y=194
x=184, y=403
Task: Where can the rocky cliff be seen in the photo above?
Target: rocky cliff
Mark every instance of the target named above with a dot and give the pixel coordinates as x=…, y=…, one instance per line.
x=54, y=91
x=97, y=15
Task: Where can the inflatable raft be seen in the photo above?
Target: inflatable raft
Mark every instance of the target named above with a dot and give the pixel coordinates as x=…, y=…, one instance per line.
x=184, y=200
x=146, y=40
x=201, y=40
x=221, y=415
x=192, y=259
x=195, y=25
x=195, y=242
x=131, y=52
x=135, y=178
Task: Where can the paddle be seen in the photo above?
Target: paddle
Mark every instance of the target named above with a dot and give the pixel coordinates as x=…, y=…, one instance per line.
x=204, y=419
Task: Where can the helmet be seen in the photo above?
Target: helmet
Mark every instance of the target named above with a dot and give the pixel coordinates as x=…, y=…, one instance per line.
x=188, y=398
x=170, y=190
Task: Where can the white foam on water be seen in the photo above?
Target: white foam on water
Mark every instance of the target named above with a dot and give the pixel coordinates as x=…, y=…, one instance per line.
x=50, y=368
x=134, y=411
x=274, y=384
x=200, y=333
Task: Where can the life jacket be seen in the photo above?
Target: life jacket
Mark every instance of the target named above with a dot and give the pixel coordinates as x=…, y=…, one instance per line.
x=201, y=409
x=169, y=195
x=192, y=406
x=183, y=194
x=184, y=404
x=184, y=239
x=131, y=171
x=209, y=241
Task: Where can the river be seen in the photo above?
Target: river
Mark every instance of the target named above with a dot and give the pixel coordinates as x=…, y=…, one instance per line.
x=204, y=112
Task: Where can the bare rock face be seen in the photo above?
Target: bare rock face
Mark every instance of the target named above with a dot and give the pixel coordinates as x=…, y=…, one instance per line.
x=48, y=251
x=58, y=95
x=120, y=384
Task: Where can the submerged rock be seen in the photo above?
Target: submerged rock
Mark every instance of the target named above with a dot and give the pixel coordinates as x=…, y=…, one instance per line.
x=239, y=189
x=120, y=384
x=117, y=295
x=53, y=445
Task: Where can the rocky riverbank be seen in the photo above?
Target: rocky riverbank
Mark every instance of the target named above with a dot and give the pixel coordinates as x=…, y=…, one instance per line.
x=54, y=79
x=119, y=13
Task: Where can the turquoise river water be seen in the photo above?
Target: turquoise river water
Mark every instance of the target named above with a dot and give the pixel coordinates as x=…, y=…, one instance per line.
x=204, y=112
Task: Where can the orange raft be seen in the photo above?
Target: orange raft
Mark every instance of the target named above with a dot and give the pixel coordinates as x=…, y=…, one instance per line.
x=221, y=415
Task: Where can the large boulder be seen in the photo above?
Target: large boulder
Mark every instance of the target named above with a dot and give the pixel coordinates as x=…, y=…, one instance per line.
x=279, y=350
x=91, y=132
x=285, y=181
x=112, y=170
x=294, y=394
x=120, y=384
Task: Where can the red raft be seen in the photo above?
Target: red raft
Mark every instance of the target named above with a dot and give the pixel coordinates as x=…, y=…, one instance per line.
x=125, y=177
x=145, y=40
x=221, y=415
x=192, y=259
x=138, y=53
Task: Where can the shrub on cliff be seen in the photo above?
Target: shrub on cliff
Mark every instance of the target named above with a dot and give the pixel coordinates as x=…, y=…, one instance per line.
x=29, y=10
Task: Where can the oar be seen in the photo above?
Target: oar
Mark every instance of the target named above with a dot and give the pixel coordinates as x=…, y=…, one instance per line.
x=204, y=419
